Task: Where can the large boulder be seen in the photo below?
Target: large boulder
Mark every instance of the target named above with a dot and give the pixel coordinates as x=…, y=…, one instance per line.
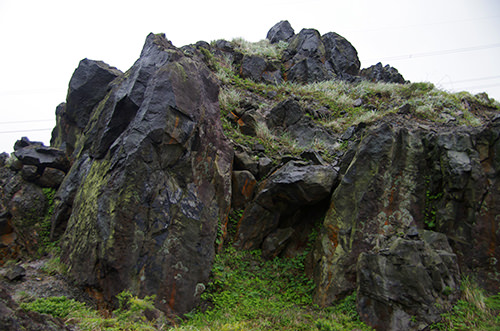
x=379, y=73
x=151, y=185
x=292, y=187
x=311, y=57
x=304, y=58
x=89, y=84
x=341, y=55
x=399, y=178
x=407, y=283
x=281, y=31
x=42, y=157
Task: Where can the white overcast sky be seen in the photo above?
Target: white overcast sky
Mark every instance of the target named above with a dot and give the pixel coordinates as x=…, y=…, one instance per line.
x=454, y=44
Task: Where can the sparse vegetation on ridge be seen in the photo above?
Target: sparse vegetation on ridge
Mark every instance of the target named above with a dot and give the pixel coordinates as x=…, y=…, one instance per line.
x=343, y=104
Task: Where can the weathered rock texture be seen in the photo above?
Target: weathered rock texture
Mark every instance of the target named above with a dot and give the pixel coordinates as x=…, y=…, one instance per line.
x=379, y=73
x=272, y=215
x=150, y=183
x=400, y=178
x=88, y=86
x=27, y=177
x=408, y=282
x=280, y=31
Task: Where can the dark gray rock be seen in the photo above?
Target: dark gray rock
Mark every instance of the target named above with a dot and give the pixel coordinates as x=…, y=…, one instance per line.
x=379, y=73
x=291, y=187
x=401, y=177
x=41, y=157
x=260, y=69
x=244, y=161
x=304, y=58
x=30, y=173
x=275, y=242
x=87, y=87
x=150, y=184
x=285, y=114
x=341, y=55
x=280, y=31
x=252, y=67
x=308, y=70
x=15, y=272
x=51, y=177
x=407, y=284
x=3, y=158
x=24, y=142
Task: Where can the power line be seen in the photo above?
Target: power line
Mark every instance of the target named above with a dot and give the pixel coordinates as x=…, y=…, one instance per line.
x=480, y=86
x=424, y=24
x=26, y=92
x=474, y=79
x=437, y=53
x=31, y=121
x=30, y=130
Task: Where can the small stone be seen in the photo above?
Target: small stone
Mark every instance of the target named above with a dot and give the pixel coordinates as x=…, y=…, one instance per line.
x=15, y=273
x=404, y=109
x=259, y=148
x=357, y=103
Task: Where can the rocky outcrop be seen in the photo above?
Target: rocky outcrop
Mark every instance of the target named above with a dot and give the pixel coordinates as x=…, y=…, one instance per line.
x=151, y=183
x=290, y=117
x=379, y=73
x=271, y=216
x=311, y=57
x=28, y=178
x=304, y=58
x=88, y=86
x=341, y=56
x=407, y=283
x=260, y=69
x=281, y=31
x=401, y=178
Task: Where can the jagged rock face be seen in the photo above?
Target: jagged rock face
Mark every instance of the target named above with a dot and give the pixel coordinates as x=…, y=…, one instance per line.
x=151, y=183
x=292, y=187
x=402, y=178
x=311, y=57
x=280, y=31
x=23, y=202
x=260, y=69
x=305, y=58
x=407, y=283
x=88, y=86
x=341, y=55
x=379, y=73
x=289, y=116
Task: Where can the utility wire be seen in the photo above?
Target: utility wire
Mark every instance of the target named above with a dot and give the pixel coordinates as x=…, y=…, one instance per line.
x=436, y=53
x=425, y=24
x=479, y=86
x=473, y=79
x=31, y=121
x=29, y=130
x=27, y=92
